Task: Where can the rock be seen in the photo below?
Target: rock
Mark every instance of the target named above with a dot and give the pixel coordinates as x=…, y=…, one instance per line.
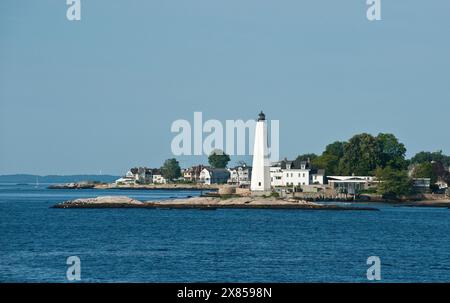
x=76, y=185
x=200, y=203
x=227, y=190
x=102, y=201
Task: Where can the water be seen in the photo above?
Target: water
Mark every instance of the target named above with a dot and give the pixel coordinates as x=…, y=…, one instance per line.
x=150, y=245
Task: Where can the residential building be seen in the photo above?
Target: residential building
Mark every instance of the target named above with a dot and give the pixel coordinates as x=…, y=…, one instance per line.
x=422, y=184
x=141, y=175
x=157, y=176
x=210, y=175
x=193, y=173
x=318, y=177
x=240, y=175
x=126, y=180
x=350, y=184
x=295, y=173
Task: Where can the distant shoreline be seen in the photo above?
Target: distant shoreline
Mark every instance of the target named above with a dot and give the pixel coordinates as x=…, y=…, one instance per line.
x=170, y=186
x=52, y=179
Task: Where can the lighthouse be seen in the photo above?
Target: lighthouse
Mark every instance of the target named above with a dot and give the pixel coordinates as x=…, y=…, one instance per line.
x=260, y=183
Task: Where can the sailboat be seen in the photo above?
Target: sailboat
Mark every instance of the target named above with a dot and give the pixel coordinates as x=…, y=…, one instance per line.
x=37, y=182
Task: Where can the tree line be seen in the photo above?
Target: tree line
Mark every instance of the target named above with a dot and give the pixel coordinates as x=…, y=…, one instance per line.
x=382, y=156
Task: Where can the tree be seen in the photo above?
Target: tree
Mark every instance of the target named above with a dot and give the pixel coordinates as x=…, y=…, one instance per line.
x=361, y=155
x=432, y=165
x=392, y=152
x=306, y=157
x=392, y=182
x=364, y=153
x=441, y=172
x=329, y=160
x=171, y=169
x=218, y=159
x=336, y=149
x=438, y=156
x=425, y=170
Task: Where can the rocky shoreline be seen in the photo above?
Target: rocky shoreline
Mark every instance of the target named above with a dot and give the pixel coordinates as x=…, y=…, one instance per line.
x=203, y=203
x=72, y=186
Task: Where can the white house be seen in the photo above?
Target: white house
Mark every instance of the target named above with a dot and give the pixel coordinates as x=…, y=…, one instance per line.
x=276, y=176
x=240, y=175
x=214, y=175
x=128, y=179
x=125, y=180
x=157, y=177
x=141, y=175
x=193, y=173
x=295, y=173
x=318, y=177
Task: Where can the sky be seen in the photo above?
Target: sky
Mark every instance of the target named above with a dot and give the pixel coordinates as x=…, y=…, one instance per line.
x=100, y=94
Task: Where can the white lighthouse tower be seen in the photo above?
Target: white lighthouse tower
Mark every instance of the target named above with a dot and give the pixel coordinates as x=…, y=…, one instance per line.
x=260, y=171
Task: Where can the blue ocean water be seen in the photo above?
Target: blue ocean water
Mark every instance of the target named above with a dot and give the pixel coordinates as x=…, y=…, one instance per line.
x=150, y=245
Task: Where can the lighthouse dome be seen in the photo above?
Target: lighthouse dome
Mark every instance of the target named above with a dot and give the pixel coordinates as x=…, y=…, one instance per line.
x=261, y=116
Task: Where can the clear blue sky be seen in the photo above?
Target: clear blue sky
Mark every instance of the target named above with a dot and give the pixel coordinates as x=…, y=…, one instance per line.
x=101, y=93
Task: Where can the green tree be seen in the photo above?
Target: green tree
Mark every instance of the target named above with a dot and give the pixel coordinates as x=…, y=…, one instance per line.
x=438, y=156
x=361, y=155
x=305, y=157
x=218, y=159
x=392, y=152
x=336, y=149
x=364, y=153
x=425, y=170
x=171, y=169
x=329, y=160
x=392, y=182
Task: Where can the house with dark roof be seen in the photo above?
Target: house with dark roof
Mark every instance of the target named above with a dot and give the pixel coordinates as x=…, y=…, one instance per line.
x=211, y=175
x=295, y=173
x=193, y=173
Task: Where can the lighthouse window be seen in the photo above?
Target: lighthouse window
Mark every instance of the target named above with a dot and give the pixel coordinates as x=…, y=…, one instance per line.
x=259, y=183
